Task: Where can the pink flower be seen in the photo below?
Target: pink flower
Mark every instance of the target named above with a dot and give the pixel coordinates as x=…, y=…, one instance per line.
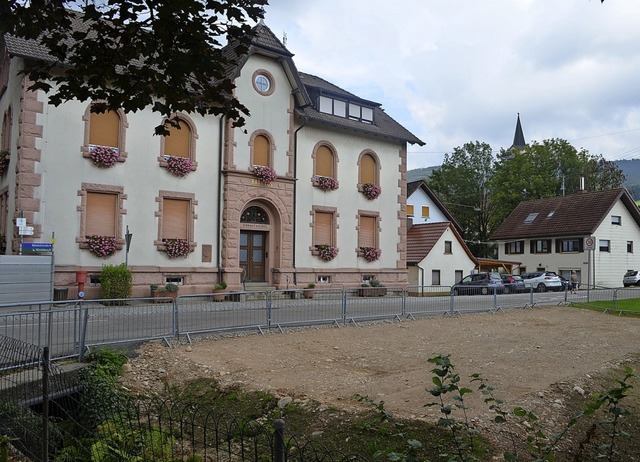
x=371, y=191
x=326, y=252
x=102, y=246
x=104, y=156
x=370, y=253
x=177, y=247
x=326, y=182
x=179, y=166
x=265, y=174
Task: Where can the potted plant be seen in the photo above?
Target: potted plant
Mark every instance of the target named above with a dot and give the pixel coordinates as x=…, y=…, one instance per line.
x=171, y=290
x=370, y=253
x=219, y=293
x=179, y=166
x=154, y=289
x=372, y=289
x=264, y=174
x=370, y=190
x=326, y=252
x=308, y=291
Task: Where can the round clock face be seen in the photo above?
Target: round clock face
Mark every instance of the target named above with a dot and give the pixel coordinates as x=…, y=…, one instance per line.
x=262, y=83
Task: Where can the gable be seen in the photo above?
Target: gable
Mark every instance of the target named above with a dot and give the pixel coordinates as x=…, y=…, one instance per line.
x=422, y=238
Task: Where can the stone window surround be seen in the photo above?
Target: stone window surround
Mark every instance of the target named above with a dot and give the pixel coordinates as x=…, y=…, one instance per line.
x=336, y=160
x=192, y=146
x=159, y=243
x=122, y=135
x=312, y=224
x=82, y=208
x=272, y=147
x=377, y=167
x=368, y=213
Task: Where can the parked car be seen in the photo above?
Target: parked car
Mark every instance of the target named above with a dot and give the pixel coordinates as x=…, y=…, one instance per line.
x=542, y=281
x=513, y=284
x=479, y=283
x=631, y=278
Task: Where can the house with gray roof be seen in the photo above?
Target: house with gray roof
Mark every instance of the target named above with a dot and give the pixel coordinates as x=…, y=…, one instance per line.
x=595, y=233
x=436, y=252
x=311, y=190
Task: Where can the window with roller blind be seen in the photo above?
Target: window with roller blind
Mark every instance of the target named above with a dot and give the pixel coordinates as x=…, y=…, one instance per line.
x=368, y=169
x=180, y=142
x=176, y=217
x=323, y=227
x=101, y=209
x=368, y=231
x=324, y=161
x=106, y=129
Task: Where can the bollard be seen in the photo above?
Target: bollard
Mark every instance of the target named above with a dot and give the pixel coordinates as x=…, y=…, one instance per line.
x=278, y=440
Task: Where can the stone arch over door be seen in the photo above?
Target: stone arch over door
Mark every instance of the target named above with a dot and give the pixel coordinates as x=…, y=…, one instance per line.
x=260, y=242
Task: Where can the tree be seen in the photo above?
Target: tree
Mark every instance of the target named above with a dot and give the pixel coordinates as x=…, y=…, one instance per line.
x=133, y=54
x=463, y=184
x=548, y=169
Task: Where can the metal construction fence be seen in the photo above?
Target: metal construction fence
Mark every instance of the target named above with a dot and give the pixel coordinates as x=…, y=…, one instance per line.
x=69, y=328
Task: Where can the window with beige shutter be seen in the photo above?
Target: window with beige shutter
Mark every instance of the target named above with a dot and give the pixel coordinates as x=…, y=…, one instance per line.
x=409, y=210
x=101, y=214
x=368, y=169
x=324, y=162
x=323, y=229
x=425, y=211
x=178, y=142
x=175, y=219
x=261, y=150
x=367, y=231
x=104, y=129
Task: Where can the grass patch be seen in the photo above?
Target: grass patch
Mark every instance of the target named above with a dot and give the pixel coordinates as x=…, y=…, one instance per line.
x=628, y=306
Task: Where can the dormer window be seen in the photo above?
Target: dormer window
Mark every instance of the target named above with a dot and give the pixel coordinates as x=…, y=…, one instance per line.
x=338, y=108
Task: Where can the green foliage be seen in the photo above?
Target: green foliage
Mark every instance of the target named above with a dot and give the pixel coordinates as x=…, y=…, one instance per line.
x=171, y=287
x=115, y=281
x=220, y=285
x=131, y=55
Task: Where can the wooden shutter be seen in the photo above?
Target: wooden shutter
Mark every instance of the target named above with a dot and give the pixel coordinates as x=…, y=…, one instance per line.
x=323, y=229
x=178, y=142
x=507, y=250
x=104, y=129
x=324, y=162
x=425, y=211
x=175, y=215
x=409, y=210
x=261, y=150
x=101, y=214
x=367, y=169
x=367, y=232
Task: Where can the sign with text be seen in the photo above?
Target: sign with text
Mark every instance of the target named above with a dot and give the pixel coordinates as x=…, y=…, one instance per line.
x=37, y=246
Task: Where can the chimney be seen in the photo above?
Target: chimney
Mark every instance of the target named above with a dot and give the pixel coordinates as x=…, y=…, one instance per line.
x=581, y=184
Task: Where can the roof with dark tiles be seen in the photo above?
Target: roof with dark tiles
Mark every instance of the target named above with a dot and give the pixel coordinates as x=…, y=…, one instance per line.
x=577, y=214
x=422, y=237
x=266, y=42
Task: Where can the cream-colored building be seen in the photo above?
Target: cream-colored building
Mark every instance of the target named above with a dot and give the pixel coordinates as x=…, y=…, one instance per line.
x=194, y=203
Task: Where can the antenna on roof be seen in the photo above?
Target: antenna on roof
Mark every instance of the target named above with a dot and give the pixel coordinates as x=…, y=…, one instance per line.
x=284, y=38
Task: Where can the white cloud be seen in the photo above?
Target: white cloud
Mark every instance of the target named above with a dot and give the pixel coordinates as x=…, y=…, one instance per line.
x=459, y=71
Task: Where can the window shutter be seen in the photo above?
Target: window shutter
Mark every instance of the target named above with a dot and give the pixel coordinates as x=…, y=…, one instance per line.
x=410, y=210
x=101, y=214
x=261, y=150
x=104, y=129
x=580, y=245
x=367, y=169
x=324, y=162
x=175, y=213
x=178, y=142
x=558, y=245
x=532, y=246
x=425, y=211
x=323, y=228
x=506, y=248
x=367, y=234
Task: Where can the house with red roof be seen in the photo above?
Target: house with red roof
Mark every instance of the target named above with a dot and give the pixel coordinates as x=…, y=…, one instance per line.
x=595, y=233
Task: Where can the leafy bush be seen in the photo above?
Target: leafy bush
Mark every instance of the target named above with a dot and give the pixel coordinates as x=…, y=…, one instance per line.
x=115, y=281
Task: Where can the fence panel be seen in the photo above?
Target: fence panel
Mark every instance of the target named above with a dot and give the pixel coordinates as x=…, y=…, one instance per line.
x=369, y=303
x=427, y=300
x=471, y=300
x=137, y=320
x=221, y=312
x=307, y=306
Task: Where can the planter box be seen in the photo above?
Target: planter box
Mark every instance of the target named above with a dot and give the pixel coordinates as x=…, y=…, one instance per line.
x=163, y=294
x=372, y=292
x=219, y=295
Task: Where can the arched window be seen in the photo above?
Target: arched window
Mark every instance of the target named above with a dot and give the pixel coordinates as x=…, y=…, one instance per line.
x=254, y=214
x=261, y=151
x=324, y=162
x=368, y=169
x=105, y=129
x=178, y=142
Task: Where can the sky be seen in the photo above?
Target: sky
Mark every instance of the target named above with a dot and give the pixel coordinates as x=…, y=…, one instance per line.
x=459, y=71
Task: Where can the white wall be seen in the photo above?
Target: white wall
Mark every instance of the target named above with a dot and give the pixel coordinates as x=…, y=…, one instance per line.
x=447, y=263
x=418, y=199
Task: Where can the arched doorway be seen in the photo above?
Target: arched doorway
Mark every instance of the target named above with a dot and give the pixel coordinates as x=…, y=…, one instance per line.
x=254, y=243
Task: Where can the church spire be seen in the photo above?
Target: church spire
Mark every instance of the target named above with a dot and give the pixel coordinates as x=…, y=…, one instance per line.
x=518, y=138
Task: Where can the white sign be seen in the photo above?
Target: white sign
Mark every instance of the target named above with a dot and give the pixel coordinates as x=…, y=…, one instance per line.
x=21, y=222
x=26, y=231
x=590, y=243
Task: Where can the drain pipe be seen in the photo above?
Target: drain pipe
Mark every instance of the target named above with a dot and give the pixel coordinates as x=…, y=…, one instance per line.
x=295, y=197
x=220, y=204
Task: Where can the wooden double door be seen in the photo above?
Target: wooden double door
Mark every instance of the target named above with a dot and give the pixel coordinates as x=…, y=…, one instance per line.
x=253, y=255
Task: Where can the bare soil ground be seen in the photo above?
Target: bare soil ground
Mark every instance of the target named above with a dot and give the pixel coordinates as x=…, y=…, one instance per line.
x=537, y=358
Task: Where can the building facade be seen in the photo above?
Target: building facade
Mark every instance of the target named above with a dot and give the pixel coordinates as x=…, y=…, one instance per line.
x=311, y=189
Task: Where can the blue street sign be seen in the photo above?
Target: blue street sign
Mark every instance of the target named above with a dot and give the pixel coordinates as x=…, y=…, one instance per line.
x=38, y=246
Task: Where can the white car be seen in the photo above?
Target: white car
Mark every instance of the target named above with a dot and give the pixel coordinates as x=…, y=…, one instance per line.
x=542, y=281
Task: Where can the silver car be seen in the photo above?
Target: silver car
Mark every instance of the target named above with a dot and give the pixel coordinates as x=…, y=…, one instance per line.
x=542, y=281
x=631, y=278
